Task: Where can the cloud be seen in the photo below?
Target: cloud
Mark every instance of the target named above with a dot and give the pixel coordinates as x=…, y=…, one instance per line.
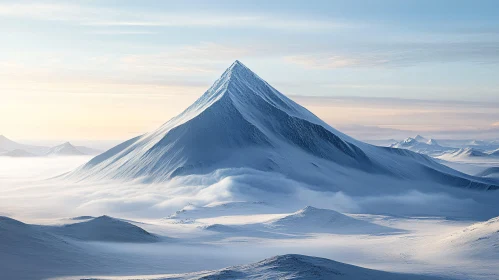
x=118, y=17
x=54, y=199
x=399, y=55
x=383, y=118
x=204, y=57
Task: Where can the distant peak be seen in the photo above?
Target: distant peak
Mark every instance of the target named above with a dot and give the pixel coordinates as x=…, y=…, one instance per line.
x=409, y=140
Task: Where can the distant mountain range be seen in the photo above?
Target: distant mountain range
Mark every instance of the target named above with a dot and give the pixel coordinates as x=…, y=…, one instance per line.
x=14, y=149
x=441, y=149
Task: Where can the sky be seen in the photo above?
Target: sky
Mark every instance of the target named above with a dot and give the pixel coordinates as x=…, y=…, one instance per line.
x=110, y=70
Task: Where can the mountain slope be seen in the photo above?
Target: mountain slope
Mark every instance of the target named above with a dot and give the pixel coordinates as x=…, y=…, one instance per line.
x=243, y=122
x=478, y=240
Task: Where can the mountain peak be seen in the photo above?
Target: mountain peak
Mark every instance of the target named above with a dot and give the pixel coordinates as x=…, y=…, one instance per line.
x=239, y=71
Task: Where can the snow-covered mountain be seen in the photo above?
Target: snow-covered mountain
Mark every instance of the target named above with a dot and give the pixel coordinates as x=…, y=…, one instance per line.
x=243, y=122
x=463, y=154
x=15, y=149
x=17, y=153
x=8, y=145
x=65, y=149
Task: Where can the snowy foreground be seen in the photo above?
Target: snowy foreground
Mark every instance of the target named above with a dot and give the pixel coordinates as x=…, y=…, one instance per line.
x=59, y=231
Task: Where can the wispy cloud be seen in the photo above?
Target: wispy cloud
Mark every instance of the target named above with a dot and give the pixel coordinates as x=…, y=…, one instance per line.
x=204, y=57
x=89, y=15
x=382, y=118
x=397, y=55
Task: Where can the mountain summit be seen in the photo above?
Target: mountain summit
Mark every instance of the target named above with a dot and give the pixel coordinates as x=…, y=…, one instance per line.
x=243, y=122
x=65, y=149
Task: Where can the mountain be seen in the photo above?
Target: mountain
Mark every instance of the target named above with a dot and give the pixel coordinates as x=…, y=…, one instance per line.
x=18, y=153
x=295, y=266
x=65, y=149
x=9, y=145
x=105, y=228
x=243, y=122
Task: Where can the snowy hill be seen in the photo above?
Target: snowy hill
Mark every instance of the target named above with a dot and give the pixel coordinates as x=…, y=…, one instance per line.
x=243, y=122
x=104, y=228
x=23, y=245
x=65, y=149
x=294, y=266
x=314, y=220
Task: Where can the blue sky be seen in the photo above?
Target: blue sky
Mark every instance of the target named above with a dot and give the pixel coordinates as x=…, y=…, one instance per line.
x=60, y=51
